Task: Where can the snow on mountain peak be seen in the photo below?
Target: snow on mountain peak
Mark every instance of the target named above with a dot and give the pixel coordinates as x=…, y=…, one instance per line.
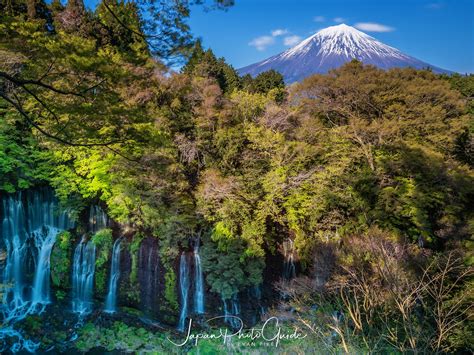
x=339, y=29
x=342, y=40
x=330, y=48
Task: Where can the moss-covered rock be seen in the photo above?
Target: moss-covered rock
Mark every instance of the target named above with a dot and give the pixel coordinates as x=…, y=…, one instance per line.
x=171, y=297
x=134, y=248
x=129, y=286
x=120, y=337
x=61, y=263
x=103, y=242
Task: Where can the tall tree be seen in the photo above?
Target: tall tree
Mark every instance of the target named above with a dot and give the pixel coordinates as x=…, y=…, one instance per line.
x=205, y=64
x=164, y=24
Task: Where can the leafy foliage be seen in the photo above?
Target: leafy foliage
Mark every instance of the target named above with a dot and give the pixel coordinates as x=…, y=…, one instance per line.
x=171, y=296
x=61, y=261
x=22, y=162
x=103, y=242
x=118, y=337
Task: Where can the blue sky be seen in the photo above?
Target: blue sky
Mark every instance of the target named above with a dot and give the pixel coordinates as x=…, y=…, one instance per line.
x=438, y=32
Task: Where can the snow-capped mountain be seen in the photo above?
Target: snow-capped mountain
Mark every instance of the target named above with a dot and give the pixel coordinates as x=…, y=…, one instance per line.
x=330, y=48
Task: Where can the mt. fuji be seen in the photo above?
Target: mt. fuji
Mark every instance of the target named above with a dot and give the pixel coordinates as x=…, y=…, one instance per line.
x=330, y=48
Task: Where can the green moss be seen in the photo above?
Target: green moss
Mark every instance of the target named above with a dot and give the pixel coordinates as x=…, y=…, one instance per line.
x=120, y=337
x=61, y=261
x=103, y=242
x=134, y=247
x=60, y=295
x=170, y=290
x=133, y=294
x=132, y=290
x=132, y=311
x=53, y=338
x=32, y=324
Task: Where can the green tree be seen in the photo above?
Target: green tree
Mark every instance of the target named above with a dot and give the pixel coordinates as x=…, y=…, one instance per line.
x=205, y=64
x=122, y=28
x=268, y=80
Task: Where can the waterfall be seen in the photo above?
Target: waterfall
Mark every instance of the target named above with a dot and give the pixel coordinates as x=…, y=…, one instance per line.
x=83, y=267
x=97, y=219
x=198, y=282
x=41, y=280
x=30, y=222
x=257, y=293
x=19, y=344
x=111, y=300
x=83, y=277
x=14, y=236
x=184, y=290
x=232, y=311
x=289, y=269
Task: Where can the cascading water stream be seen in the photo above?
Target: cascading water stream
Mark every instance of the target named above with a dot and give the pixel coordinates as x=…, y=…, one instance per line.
x=184, y=290
x=97, y=219
x=257, y=293
x=83, y=268
x=41, y=284
x=198, y=282
x=83, y=277
x=232, y=311
x=18, y=345
x=111, y=300
x=30, y=223
x=14, y=236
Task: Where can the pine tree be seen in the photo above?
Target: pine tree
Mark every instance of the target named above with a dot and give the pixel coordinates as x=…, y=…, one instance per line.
x=205, y=64
x=196, y=57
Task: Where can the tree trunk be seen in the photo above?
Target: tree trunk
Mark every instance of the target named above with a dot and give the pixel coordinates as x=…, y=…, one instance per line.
x=31, y=9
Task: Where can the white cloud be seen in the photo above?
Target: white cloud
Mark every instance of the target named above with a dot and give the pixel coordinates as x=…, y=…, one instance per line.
x=339, y=19
x=261, y=43
x=291, y=40
x=373, y=27
x=279, y=32
x=319, y=19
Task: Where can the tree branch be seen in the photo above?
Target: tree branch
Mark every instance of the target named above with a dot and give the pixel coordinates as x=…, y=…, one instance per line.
x=47, y=134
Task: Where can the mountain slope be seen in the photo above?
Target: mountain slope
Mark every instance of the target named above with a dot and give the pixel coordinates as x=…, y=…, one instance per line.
x=329, y=49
